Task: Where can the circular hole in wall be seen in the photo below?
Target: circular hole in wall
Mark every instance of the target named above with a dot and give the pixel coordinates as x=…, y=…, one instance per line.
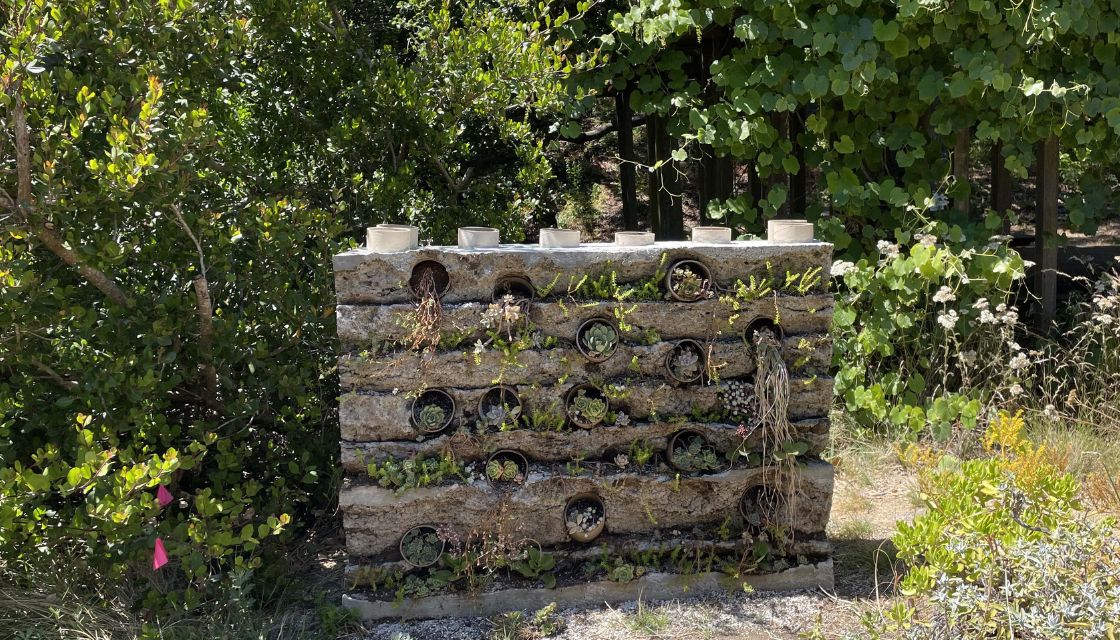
x=499, y=406
x=689, y=451
x=586, y=405
x=597, y=339
x=688, y=281
x=585, y=517
x=429, y=277
x=433, y=410
x=686, y=361
x=507, y=467
x=761, y=506
x=758, y=326
x=421, y=546
x=517, y=286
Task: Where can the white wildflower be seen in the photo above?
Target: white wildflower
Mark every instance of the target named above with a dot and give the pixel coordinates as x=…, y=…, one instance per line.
x=840, y=268
x=944, y=294
x=986, y=317
x=967, y=358
x=887, y=248
x=938, y=202
x=1011, y=317
x=980, y=304
x=948, y=319
x=928, y=239
x=965, y=279
x=1020, y=361
x=1050, y=411
x=479, y=347
x=1016, y=389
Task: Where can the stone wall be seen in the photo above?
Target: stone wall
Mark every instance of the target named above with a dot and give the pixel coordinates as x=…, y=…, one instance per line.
x=734, y=516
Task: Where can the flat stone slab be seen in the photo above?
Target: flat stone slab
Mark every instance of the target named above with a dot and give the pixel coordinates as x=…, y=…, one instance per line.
x=363, y=277
x=375, y=518
x=599, y=443
x=650, y=587
x=410, y=370
x=361, y=326
x=387, y=416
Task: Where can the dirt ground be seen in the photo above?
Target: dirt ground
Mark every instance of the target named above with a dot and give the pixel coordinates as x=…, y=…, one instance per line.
x=872, y=494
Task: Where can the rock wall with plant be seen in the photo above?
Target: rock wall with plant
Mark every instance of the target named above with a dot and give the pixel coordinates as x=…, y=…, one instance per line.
x=524, y=424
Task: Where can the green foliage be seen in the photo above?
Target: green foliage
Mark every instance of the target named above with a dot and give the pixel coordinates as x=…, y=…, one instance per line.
x=641, y=451
x=880, y=89
x=503, y=471
x=599, y=340
x=587, y=409
x=432, y=417
x=694, y=454
x=1003, y=550
x=421, y=546
x=415, y=472
x=923, y=335
x=536, y=564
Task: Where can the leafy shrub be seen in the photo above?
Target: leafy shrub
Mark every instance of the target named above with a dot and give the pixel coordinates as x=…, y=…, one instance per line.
x=1003, y=550
x=924, y=334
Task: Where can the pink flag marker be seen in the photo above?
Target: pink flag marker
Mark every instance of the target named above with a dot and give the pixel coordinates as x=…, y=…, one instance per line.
x=159, y=558
x=163, y=496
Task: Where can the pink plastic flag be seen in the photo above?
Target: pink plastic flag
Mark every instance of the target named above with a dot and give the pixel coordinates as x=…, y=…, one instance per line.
x=159, y=558
x=164, y=496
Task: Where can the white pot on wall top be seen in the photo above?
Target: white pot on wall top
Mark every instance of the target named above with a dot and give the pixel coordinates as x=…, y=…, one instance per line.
x=788, y=231
x=711, y=235
x=560, y=238
x=389, y=240
x=415, y=231
x=633, y=238
x=478, y=237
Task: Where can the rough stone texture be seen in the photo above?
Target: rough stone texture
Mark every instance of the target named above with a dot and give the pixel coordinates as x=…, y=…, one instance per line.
x=386, y=416
x=382, y=278
x=376, y=518
x=654, y=586
x=360, y=326
x=645, y=506
x=407, y=371
x=600, y=443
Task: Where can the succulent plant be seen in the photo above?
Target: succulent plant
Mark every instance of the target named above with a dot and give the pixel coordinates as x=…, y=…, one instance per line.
x=688, y=284
x=421, y=546
x=583, y=517
x=497, y=414
x=599, y=340
x=502, y=470
x=685, y=363
x=588, y=409
x=694, y=455
x=432, y=417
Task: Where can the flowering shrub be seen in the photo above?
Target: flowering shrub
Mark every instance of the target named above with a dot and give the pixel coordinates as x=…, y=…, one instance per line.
x=925, y=334
x=1003, y=550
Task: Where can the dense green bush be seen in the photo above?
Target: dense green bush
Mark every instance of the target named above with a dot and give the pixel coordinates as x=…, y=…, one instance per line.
x=1003, y=550
x=924, y=334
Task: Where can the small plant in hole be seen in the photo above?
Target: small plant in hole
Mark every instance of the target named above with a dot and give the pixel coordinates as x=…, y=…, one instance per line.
x=597, y=339
x=584, y=518
x=588, y=407
x=685, y=361
x=506, y=467
x=641, y=451
x=740, y=402
x=692, y=453
x=500, y=407
x=432, y=410
x=421, y=546
x=689, y=281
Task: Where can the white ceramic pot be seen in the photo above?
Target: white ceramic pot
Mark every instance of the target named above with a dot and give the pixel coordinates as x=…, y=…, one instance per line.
x=478, y=237
x=560, y=238
x=787, y=231
x=633, y=238
x=711, y=235
x=388, y=240
x=414, y=230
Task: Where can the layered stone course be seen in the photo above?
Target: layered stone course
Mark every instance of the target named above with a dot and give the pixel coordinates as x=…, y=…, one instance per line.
x=645, y=504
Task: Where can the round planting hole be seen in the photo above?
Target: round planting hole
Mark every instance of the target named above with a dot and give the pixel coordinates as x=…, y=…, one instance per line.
x=586, y=405
x=433, y=410
x=688, y=451
x=429, y=278
x=685, y=362
x=760, y=507
x=689, y=281
x=421, y=546
x=517, y=286
x=585, y=517
x=499, y=407
x=759, y=327
x=507, y=467
x=597, y=339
